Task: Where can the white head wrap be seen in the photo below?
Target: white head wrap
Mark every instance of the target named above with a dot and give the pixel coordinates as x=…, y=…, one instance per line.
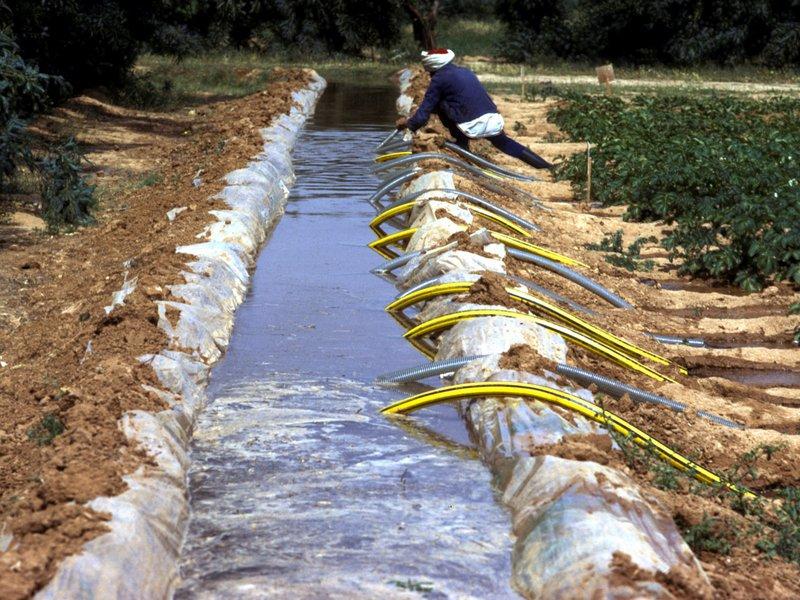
x=435, y=60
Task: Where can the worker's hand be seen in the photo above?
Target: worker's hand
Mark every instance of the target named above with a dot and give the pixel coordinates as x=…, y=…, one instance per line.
x=402, y=123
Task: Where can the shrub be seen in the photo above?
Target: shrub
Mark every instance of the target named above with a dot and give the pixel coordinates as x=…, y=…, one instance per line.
x=67, y=199
x=22, y=93
x=657, y=31
x=724, y=171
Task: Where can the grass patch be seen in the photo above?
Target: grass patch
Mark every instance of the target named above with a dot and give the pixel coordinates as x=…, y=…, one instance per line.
x=696, y=74
x=773, y=524
x=149, y=179
x=220, y=75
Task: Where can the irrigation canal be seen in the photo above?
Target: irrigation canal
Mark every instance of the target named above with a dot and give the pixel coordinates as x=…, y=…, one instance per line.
x=300, y=489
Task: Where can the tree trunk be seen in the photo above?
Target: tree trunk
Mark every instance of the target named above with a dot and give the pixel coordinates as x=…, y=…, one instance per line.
x=423, y=24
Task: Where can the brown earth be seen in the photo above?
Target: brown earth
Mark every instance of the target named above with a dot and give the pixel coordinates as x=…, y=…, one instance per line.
x=750, y=331
x=62, y=357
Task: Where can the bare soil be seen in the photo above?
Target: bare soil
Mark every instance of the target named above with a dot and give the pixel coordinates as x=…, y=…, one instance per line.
x=63, y=358
x=749, y=335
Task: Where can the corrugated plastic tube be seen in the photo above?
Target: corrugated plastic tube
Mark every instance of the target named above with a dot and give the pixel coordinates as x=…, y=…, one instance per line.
x=551, y=294
x=677, y=340
x=427, y=370
x=617, y=389
x=390, y=185
x=482, y=202
x=387, y=139
x=487, y=163
x=573, y=276
x=396, y=263
x=526, y=282
x=395, y=146
x=606, y=384
x=418, y=156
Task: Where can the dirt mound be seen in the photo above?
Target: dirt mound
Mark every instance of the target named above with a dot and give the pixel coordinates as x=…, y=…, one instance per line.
x=70, y=370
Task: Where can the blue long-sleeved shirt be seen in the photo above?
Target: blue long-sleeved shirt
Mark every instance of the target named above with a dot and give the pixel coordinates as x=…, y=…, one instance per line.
x=457, y=92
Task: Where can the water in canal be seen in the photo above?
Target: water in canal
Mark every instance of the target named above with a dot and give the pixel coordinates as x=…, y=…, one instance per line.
x=300, y=489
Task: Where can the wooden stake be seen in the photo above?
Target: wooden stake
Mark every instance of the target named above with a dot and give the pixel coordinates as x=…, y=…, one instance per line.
x=588, y=173
x=522, y=80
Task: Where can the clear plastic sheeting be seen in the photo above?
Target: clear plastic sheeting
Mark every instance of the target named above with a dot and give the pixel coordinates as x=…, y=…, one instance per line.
x=571, y=516
x=138, y=557
x=118, y=299
x=429, y=266
x=433, y=233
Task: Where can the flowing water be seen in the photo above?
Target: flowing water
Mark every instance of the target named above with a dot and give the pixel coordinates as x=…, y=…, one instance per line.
x=300, y=488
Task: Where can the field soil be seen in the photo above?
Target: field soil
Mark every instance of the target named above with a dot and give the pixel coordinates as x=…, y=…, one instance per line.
x=749, y=373
x=69, y=370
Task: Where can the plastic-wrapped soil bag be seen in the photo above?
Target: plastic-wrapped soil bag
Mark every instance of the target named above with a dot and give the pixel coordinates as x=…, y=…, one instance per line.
x=138, y=557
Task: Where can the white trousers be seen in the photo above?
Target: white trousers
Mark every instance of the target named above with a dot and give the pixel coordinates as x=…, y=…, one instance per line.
x=484, y=126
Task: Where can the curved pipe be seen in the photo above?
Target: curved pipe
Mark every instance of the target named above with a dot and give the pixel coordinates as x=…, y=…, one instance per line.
x=443, y=322
x=396, y=263
x=392, y=213
x=618, y=389
x=387, y=139
x=380, y=245
x=394, y=146
x=573, y=276
x=390, y=185
x=418, y=156
x=551, y=294
x=392, y=155
x=583, y=377
x=478, y=200
x=427, y=370
x=572, y=403
x=675, y=340
x=536, y=305
x=515, y=244
x=479, y=160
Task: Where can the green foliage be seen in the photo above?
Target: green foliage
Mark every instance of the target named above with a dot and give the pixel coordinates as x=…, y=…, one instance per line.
x=46, y=430
x=346, y=26
x=22, y=93
x=706, y=536
x=618, y=256
x=657, y=31
x=787, y=539
x=724, y=171
x=67, y=199
x=142, y=91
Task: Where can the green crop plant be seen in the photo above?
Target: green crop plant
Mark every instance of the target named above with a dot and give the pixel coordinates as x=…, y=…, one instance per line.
x=618, y=256
x=724, y=172
x=706, y=536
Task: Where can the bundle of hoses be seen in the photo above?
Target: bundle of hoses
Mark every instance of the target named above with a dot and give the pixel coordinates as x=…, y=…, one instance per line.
x=517, y=249
x=509, y=411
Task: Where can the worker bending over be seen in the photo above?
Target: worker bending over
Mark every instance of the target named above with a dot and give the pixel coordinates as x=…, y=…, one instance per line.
x=463, y=106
